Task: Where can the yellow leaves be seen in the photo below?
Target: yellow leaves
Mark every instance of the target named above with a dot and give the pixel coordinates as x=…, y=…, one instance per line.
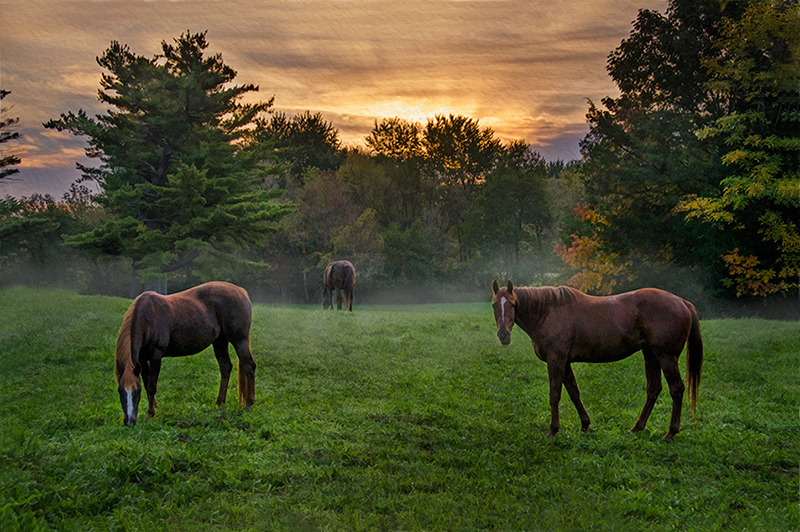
x=713, y=210
x=748, y=277
x=598, y=271
x=736, y=157
x=748, y=274
x=787, y=191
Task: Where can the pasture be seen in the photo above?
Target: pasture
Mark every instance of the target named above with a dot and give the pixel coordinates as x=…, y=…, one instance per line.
x=386, y=418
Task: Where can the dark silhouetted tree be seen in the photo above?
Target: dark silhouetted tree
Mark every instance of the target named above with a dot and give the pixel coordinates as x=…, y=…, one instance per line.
x=7, y=134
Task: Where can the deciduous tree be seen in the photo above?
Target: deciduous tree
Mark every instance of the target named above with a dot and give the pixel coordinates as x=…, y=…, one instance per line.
x=642, y=156
x=757, y=203
x=512, y=207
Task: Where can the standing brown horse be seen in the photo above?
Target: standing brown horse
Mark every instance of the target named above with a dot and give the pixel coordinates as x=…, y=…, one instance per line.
x=339, y=277
x=182, y=324
x=568, y=326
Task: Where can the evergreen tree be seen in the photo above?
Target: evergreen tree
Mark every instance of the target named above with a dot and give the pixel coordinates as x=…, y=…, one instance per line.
x=181, y=169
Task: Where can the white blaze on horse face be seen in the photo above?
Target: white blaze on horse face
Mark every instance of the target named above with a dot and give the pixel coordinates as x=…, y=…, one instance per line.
x=130, y=403
x=503, y=309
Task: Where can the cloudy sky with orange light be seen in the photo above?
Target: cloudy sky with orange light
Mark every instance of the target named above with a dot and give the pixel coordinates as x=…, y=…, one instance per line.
x=524, y=68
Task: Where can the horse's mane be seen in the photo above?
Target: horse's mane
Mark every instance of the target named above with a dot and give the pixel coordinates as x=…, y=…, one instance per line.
x=122, y=353
x=535, y=301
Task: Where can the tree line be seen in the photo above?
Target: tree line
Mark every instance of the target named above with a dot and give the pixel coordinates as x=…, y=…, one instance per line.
x=688, y=180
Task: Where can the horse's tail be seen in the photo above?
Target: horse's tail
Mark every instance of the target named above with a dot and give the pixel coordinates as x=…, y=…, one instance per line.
x=694, y=357
x=247, y=377
x=350, y=276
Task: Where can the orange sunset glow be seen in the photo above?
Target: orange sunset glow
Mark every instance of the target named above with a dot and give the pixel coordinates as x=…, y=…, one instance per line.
x=524, y=68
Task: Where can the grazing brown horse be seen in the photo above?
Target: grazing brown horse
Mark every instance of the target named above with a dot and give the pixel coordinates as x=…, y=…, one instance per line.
x=568, y=326
x=339, y=277
x=182, y=324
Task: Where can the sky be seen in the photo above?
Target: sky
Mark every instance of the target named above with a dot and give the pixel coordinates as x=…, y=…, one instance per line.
x=525, y=68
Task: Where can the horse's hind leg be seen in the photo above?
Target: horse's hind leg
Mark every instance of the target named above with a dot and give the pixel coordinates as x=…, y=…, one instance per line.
x=652, y=370
x=339, y=297
x=572, y=389
x=247, y=372
x=555, y=371
x=225, y=367
x=669, y=365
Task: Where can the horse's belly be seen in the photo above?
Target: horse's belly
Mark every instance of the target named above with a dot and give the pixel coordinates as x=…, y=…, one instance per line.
x=190, y=342
x=603, y=353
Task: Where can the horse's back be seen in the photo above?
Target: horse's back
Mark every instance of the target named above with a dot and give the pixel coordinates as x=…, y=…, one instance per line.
x=200, y=315
x=230, y=305
x=609, y=328
x=659, y=318
x=340, y=274
x=220, y=294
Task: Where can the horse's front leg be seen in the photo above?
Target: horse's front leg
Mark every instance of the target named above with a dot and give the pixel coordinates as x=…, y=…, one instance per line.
x=150, y=378
x=555, y=371
x=571, y=384
x=225, y=367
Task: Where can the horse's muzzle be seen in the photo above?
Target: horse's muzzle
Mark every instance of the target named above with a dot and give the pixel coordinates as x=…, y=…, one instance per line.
x=130, y=405
x=504, y=335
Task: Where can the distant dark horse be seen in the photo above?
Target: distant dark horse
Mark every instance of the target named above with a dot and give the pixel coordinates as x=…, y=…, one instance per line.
x=568, y=326
x=183, y=324
x=339, y=277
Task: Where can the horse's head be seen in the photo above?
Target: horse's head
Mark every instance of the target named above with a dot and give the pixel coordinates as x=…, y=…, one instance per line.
x=129, y=386
x=326, y=299
x=504, y=304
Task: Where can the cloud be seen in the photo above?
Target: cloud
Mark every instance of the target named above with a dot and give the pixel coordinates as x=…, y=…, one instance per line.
x=525, y=68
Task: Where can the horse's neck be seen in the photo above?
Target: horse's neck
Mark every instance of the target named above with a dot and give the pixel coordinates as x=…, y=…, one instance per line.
x=150, y=317
x=533, y=305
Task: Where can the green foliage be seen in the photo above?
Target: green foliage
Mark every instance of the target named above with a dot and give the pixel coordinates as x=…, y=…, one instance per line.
x=513, y=208
x=702, y=132
x=390, y=418
x=305, y=140
x=758, y=201
x=32, y=232
x=458, y=154
x=410, y=255
x=642, y=156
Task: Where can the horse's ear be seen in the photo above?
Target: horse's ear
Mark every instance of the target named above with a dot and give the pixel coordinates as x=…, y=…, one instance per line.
x=495, y=286
x=510, y=287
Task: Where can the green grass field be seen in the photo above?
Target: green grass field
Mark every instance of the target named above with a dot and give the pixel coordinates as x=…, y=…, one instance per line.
x=387, y=418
